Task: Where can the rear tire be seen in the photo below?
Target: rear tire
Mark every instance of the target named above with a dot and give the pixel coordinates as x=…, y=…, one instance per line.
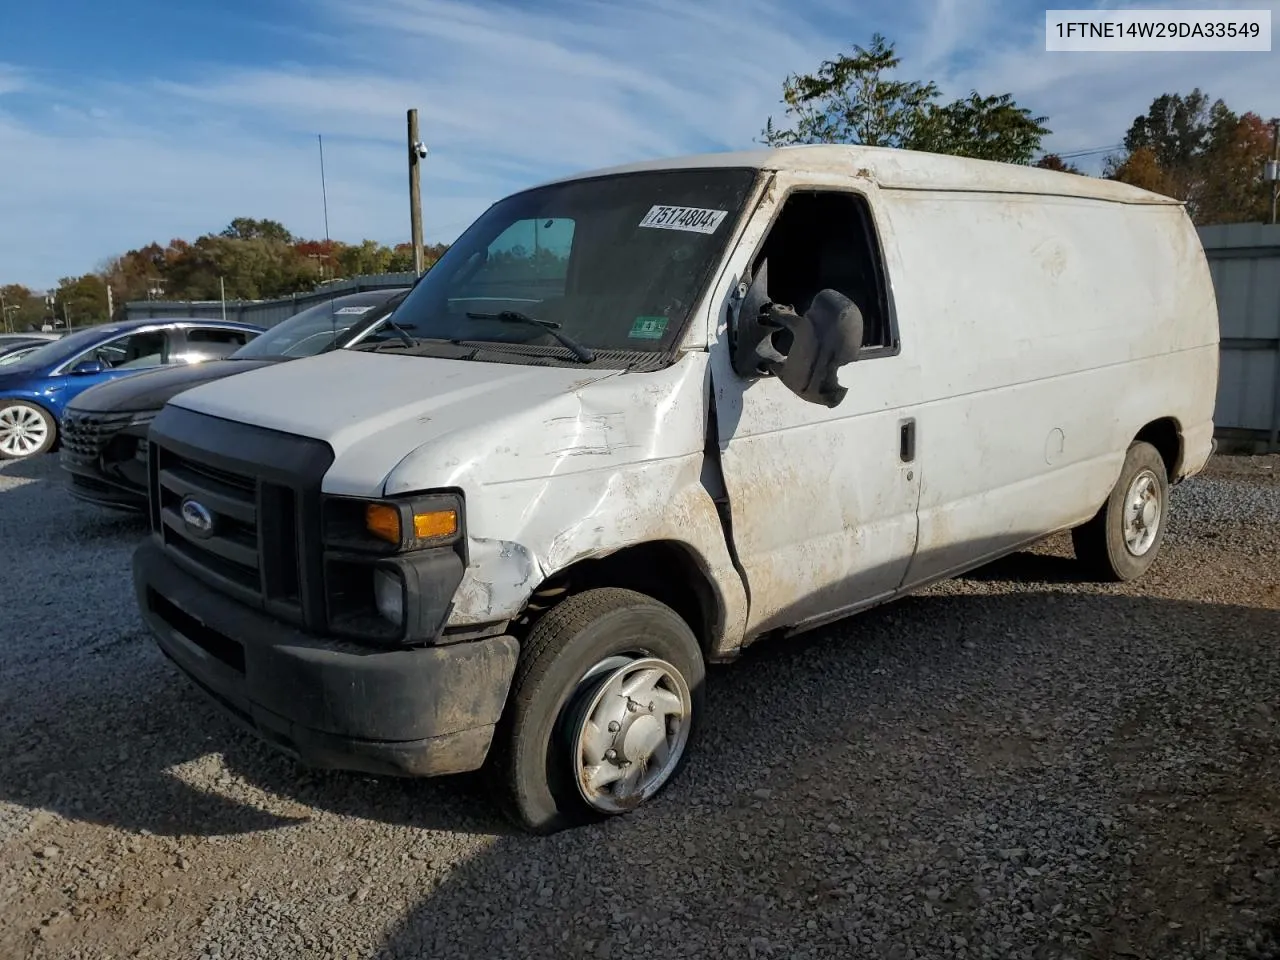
x=607, y=673
x=26, y=430
x=1124, y=537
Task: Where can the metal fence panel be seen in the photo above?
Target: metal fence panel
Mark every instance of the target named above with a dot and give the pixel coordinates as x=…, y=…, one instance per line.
x=264, y=313
x=1244, y=259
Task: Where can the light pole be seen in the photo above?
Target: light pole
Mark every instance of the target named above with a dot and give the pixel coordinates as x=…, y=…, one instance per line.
x=1273, y=166
x=417, y=153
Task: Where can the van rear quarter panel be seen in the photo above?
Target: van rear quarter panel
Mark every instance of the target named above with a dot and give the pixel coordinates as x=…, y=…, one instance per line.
x=1050, y=331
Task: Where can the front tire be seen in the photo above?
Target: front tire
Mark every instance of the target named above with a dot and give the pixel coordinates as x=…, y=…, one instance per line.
x=26, y=430
x=607, y=696
x=1124, y=537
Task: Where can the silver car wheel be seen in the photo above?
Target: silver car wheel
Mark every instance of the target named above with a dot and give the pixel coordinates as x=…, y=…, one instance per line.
x=630, y=735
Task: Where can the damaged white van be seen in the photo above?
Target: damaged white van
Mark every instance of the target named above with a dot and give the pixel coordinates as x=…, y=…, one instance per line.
x=637, y=419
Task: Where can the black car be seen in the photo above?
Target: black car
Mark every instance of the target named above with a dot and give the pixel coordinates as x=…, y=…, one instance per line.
x=104, y=430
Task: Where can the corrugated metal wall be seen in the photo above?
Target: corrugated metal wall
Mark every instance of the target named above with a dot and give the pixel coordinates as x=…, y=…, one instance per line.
x=265, y=313
x=1244, y=259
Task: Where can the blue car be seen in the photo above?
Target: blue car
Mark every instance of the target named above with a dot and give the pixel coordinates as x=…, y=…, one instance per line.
x=36, y=388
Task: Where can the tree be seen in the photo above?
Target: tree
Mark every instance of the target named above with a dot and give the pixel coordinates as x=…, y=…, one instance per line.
x=1199, y=152
x=249, y=259
x=368, y=257
x=988, y=128
x=1233, y=189
x=852, y=100
x=23, y=309
x=246, y=228
x=1051, y=161
x=81, y=300
x=849, y=100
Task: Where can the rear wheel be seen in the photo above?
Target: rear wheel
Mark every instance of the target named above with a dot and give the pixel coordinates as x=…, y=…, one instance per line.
x=26, y=430
x=1124, y=537
x=606, y=699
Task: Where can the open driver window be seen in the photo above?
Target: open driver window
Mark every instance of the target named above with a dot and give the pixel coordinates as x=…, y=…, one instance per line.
x=821, y=240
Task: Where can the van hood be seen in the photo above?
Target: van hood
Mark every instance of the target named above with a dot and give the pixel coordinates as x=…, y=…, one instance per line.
x=375, y=410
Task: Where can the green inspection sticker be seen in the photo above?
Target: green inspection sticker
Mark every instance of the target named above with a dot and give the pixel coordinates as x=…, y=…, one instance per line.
x=648, y=328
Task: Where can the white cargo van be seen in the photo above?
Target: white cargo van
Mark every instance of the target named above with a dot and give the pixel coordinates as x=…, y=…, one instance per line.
x=637, y=419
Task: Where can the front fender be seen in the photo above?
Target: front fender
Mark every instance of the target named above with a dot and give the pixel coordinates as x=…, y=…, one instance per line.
x=591, y=515
x=45, y=399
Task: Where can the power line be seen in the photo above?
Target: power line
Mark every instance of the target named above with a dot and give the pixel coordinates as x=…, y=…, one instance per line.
x=1094, y=151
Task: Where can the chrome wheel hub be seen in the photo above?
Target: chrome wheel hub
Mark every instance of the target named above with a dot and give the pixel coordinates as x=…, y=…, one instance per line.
x=631, y=732
x=1143, y=512
x=22, y=431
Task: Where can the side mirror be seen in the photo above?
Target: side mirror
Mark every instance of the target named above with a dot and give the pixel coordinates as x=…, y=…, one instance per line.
x=87, y=367
x=804, y=352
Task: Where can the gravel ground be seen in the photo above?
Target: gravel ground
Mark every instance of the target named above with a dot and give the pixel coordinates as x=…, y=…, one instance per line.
x=1014, y=764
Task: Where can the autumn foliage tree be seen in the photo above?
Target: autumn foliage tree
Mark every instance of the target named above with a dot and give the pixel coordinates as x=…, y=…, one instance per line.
x=1051, y=161
x=249, y=259
x=1200, y=152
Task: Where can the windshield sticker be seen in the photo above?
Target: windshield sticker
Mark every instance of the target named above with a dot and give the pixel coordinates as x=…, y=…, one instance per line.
x=648, y=328
x=690, y=219
x=342, y=310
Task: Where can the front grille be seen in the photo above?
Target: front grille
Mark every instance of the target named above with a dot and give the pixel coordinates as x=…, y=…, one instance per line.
x=260, y=491
x=251, y=547
x=86, y=435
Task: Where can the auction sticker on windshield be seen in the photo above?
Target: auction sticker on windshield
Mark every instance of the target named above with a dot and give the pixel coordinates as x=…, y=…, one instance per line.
x=353, y=310
x=690, y=219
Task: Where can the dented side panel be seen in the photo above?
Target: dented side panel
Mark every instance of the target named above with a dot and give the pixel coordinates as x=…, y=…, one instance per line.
x=613, y=463
x=823, y=510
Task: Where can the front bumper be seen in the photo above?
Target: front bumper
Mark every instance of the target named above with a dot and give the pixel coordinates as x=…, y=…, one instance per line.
x=104, y=459
x=331, y=704
x=88, y=483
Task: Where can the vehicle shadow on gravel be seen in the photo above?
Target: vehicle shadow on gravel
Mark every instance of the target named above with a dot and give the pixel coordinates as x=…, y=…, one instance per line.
x=856, y=789
x=1027, y=567
x=46, y=478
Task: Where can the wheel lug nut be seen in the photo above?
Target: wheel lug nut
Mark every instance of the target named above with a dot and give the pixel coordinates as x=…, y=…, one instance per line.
x=611, y=754
x=614, y=726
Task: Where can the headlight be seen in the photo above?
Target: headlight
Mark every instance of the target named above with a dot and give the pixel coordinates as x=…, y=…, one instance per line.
x=388, y=596
x=393, y=526
x=391, y=566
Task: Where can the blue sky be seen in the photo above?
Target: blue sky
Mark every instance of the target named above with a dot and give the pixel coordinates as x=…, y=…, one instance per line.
x=139, y=120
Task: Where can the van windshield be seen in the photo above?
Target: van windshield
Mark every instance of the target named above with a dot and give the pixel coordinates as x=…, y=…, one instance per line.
x=615, y=263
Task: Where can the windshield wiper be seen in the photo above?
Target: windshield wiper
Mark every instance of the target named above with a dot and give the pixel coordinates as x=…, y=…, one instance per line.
x=408, y=340
x=584, y=354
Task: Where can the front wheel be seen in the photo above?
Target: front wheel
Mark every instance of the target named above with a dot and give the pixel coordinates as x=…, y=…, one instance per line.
x=606, y=699
x=26, y=430
x=1124, y=537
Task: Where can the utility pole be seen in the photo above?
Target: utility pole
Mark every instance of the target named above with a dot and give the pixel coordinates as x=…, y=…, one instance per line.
x=111, y=306
x=222, y=288
x=4, y=312
x=1273, y=168
x=417, y=151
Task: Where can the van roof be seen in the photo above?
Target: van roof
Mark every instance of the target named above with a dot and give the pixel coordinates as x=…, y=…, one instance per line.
x=902, y=170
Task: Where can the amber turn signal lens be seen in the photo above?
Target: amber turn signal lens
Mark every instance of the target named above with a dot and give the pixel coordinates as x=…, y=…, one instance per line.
x=437, y=523
x=383, y=521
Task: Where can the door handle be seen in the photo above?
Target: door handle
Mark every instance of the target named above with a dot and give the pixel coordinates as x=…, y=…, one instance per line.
x=907, y=440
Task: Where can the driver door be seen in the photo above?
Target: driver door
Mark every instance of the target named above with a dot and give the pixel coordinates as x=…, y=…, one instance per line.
x=822, y=500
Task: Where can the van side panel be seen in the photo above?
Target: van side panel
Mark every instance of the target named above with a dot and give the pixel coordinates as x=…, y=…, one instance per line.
x=1051, y=331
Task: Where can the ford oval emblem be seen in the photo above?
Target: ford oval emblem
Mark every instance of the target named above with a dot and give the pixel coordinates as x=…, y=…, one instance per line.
x=197, y=517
